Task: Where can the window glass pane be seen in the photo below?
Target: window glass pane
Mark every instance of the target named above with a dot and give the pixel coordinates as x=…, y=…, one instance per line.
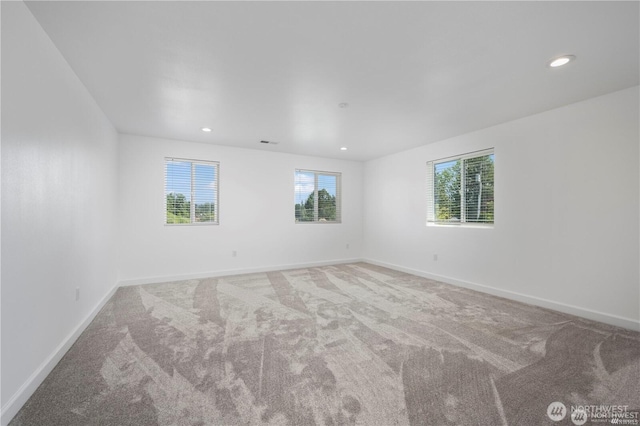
x=478, y=189
x=178, y=192
x=447, y=191
x=304, y=196
x=204, y=192
x=327, y=189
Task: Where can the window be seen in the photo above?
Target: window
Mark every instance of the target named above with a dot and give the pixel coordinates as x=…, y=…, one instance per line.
x=460, y=189
x=191, y=191
x=317, y=196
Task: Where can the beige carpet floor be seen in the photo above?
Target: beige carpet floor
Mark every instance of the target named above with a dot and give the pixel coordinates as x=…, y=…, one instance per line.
x=352, y=344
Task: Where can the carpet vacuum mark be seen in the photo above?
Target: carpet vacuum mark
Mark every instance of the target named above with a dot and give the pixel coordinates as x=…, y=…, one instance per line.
x=352, y=344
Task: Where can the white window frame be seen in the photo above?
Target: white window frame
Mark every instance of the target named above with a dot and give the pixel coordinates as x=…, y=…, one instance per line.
x=192, y=207
x=431, y=217
x=316, y=173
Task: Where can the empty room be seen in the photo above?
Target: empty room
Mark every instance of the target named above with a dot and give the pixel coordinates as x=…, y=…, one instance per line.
x=320, y=213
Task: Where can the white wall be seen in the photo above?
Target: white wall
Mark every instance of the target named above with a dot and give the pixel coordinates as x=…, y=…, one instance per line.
x=567, y=208
x=59, y=196
x=256, y=214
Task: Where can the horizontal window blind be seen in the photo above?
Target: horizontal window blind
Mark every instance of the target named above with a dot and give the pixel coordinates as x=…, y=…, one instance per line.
x=317, y=196
x=191, y=191
x=430, y=193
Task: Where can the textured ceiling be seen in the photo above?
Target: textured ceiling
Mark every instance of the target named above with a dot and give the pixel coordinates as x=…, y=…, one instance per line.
x=412, y=72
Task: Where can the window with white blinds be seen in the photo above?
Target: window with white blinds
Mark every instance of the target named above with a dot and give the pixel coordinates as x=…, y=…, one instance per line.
x=461, y=189
x=191, y=191
x=317, y=196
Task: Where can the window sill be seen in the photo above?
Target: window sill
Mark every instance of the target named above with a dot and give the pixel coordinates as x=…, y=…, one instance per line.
x=318, y=222
x=461, y=225
x=192, y=224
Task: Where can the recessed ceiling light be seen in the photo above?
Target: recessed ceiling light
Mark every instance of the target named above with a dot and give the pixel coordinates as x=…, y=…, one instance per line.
x=560, y=61
x=206, y=129
x=344, y=148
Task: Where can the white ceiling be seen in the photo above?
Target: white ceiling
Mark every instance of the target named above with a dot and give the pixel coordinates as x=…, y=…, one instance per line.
x=412, y=72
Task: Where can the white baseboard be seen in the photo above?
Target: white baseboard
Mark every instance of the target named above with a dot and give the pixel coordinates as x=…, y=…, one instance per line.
x=223, y=273
x=610, y=319
x=23, y=394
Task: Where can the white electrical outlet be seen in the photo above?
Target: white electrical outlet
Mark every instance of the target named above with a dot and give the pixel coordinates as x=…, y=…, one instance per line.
x=234, y=253
x=435, y=257
x=347, y=246
x=77, y=293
